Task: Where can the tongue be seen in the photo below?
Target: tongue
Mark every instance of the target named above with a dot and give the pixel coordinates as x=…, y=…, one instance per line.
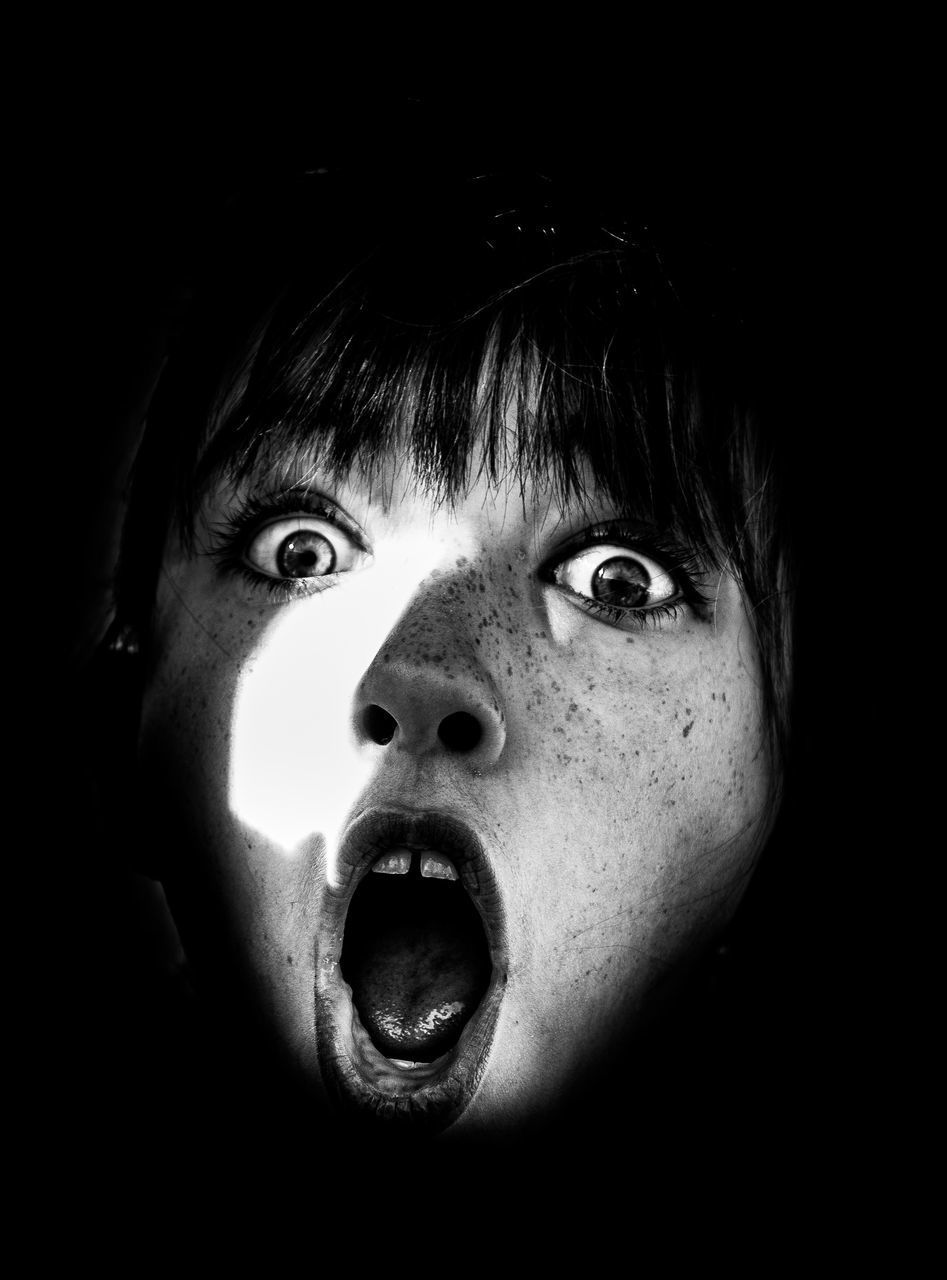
x=417, y=989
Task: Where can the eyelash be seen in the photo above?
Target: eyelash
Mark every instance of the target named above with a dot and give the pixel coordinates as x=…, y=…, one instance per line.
x=637, y=617
x=235, y=533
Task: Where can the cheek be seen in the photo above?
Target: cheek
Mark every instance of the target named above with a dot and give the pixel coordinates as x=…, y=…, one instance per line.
x=634, y=817
x=189, y=699
x=238, y=894
x=644, y=800
x=261, y=704
x=664, y=732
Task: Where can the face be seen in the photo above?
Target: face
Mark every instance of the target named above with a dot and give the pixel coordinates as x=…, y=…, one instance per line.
x=450, y=792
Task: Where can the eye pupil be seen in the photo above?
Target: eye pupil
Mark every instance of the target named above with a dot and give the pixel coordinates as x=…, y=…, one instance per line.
x=306, y=554
x=623, y=582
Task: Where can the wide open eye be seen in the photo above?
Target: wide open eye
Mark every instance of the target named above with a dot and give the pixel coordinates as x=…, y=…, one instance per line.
x=302, y=547
x=618, y=577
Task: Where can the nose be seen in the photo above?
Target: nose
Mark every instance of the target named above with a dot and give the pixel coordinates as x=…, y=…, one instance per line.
x=427, y=691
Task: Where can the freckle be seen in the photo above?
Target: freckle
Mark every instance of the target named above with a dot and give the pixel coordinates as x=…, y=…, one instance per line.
x=509, y=669
x=687, y=728
x=289, y=959
x=629, y=639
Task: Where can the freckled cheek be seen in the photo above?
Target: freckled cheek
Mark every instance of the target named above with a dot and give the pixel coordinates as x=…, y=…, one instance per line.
x=189, y=699
x=728, y=741
x=205, y=652
x=633, y=773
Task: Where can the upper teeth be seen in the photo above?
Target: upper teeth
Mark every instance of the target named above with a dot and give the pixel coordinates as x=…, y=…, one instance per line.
x=397, y=862
x=436, y=866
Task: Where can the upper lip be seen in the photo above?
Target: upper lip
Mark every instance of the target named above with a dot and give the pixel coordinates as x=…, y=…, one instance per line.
x=376, y=830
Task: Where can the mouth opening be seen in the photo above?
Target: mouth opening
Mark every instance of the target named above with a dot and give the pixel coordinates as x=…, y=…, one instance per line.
x=415, y=955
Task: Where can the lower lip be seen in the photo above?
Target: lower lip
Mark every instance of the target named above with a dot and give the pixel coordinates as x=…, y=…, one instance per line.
x=389, y=1094
x=428, y=1095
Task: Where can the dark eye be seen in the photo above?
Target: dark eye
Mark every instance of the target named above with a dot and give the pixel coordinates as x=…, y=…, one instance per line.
x=618, y=577
x=302, y=547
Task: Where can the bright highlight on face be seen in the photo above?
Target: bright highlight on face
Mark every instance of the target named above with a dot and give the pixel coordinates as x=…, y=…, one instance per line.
x=285, y=769
x=482, y=775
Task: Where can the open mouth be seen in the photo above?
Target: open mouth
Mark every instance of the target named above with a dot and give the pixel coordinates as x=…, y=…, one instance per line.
x=411, y=971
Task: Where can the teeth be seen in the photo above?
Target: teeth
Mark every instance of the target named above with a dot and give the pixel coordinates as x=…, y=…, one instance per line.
x=395, y=863
x=434, y=866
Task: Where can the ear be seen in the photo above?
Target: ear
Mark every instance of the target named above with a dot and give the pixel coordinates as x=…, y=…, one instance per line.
x=112, y=697
x=117, y=685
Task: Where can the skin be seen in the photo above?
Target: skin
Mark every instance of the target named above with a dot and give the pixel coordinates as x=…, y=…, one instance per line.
x=620, y=789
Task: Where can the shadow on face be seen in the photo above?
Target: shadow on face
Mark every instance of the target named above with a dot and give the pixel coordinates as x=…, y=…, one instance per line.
x=452, y=794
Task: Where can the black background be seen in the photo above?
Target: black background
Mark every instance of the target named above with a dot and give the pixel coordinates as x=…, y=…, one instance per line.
x=126, y=176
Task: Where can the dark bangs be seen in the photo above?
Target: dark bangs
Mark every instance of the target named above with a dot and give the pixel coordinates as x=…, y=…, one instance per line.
x=575, y=372
x=574, y=351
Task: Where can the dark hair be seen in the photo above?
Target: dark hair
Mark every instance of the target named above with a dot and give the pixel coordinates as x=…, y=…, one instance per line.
x=341, y=320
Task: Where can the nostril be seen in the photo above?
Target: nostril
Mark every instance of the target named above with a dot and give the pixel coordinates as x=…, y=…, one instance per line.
x=460, y=731
x=379, y=725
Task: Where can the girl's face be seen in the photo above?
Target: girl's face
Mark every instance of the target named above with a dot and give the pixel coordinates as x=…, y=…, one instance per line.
x=464, y=784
